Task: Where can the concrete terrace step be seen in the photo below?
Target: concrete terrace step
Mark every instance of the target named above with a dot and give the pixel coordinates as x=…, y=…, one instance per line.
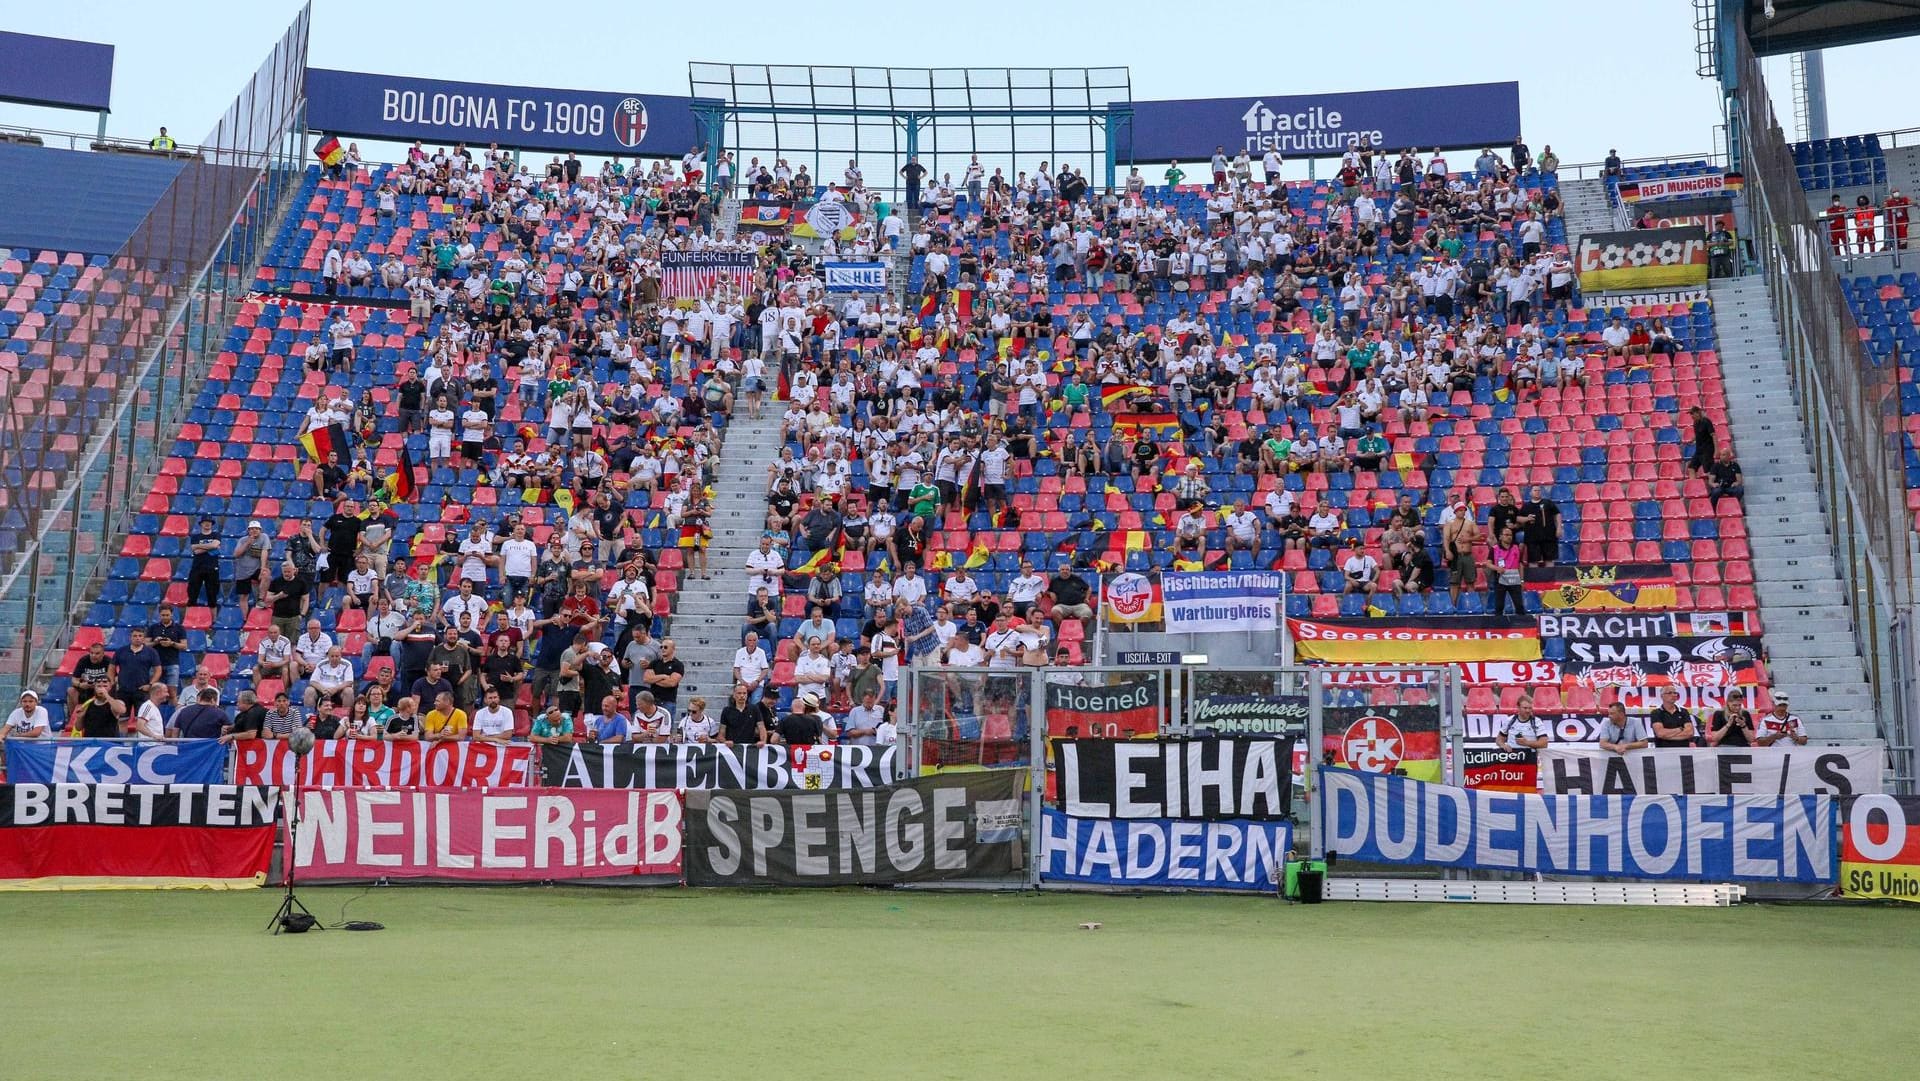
x=1809, y=628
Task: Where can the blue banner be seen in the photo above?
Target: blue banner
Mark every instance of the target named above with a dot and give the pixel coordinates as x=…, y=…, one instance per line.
x=479, y=114
x=66, y=74
x=1323, y=125
x=109, y=761
x=1381, y=818
x=1171, y=853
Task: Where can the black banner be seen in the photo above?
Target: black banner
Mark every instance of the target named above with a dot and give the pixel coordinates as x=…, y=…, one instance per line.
x=713, y=765
x=1125, y=710
x=1248, y=777
x=960, y=825
x=1248, y=714
x=222, y=806
x=1719, y=661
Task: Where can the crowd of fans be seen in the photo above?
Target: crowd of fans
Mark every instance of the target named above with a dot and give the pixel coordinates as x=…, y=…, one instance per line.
x=901, y=426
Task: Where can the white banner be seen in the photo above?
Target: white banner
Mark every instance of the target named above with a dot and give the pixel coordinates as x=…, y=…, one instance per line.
x=855, y=277
x=1586, y=770
x=1210, y=602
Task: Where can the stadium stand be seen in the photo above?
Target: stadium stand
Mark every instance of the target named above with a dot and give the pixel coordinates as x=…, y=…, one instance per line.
x=1849, y=162
x=1887, y=308
x=74, y=200
x=1144, y=348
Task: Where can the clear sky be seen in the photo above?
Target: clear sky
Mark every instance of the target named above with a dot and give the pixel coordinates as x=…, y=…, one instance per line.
x=1592, y=76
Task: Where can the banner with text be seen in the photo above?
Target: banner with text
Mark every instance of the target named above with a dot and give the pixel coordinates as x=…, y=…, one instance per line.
x=1215, y=602
x=1577, y=770
x=714, y=765
x=692, y=275
x=112, y=761
x=55, y=836
x=1247, y=714
x=947, y=826
x=1643, y=259
x=855, y=277
x=1164, y=853
x=1320, y=125
x=1487, y=767
x=1207, y=778
x=1126, y=709
x=1414, y=639
x=1379, y=818
x=403, y=109
x=1680, y=187
x=523, y=835
x=1880, y=848
x=360, y=763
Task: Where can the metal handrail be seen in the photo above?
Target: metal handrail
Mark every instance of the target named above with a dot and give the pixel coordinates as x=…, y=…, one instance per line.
x=92, y=141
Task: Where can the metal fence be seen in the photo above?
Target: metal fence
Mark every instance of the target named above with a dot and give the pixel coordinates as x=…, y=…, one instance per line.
x=1850, y=406
x=84, y=433
x=1387, y=718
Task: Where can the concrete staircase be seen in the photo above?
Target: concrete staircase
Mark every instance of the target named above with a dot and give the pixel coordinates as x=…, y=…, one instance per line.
x=1585, y=208
x=1809, y=628
x=727, y=222
x=708, y=613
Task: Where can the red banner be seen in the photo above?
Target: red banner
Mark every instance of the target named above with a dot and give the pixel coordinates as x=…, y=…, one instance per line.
x=1500, y=771
x=361, y=763
x=55, y=836
x=528, y=835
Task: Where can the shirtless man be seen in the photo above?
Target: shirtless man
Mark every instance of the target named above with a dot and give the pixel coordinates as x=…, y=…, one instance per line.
x=1458, y=535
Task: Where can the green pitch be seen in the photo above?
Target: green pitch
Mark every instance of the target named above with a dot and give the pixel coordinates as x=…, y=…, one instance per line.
x=577, y=984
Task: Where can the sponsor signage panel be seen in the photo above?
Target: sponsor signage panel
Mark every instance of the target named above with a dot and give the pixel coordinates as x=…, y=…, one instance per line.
x=1322, y=125
x=445, y=111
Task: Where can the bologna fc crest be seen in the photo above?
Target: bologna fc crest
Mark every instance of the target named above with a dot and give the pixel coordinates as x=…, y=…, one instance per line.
x=630, y=122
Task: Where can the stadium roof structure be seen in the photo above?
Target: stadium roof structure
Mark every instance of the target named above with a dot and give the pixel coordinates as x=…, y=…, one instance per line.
x=1791, y=26
x=822, y=115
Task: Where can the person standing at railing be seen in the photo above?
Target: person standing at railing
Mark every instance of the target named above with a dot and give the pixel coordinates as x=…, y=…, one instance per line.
x=162, y=142
x=1865, y=231
x=1898, y=209
x=1836, y=216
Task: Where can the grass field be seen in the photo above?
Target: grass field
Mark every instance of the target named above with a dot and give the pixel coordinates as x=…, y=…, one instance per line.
x=583, y=983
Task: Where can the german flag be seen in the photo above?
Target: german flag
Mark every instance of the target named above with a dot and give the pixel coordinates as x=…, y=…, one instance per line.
x=690, y=536
x=929, y=304
x=1113, y=394
x=329, y=151
x=1162, y=425
x=328, y=444
x=400, y=485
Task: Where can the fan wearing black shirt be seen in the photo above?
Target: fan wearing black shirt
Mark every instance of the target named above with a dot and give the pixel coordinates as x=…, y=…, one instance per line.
x=343, y=537
x=742, y=722
x=1672, y=726
x=1731, y=726
x=803, y=727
